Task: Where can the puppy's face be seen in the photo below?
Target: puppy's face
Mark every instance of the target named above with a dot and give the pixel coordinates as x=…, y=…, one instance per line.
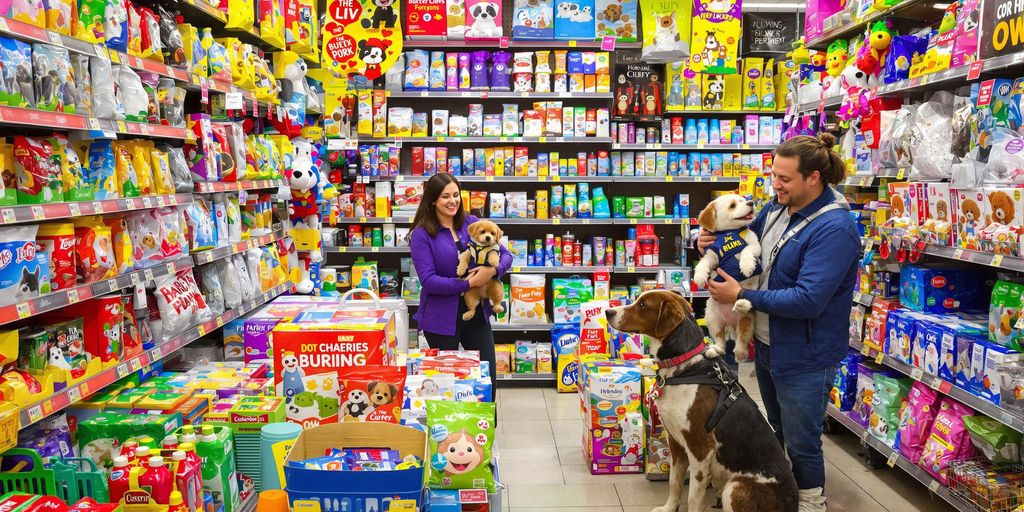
x=656, y=313
x=731, y=211
x=382, y=392
x=485, y=232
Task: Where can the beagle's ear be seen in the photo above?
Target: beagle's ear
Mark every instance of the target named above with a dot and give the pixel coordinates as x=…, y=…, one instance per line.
x=671, y=313
x=707, y=218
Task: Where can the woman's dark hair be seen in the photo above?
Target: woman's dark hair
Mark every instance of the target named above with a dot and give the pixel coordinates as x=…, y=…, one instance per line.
x=426, y=214
x=815, y=154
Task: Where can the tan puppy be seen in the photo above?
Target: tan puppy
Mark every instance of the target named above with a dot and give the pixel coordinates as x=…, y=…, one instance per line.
x=737, y=251
x=484, y=250
x=739, y=454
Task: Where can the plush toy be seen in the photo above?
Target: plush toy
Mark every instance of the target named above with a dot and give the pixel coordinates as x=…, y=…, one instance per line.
x=836, y=57
x=855, y=104
x=290, y=70
x=872, y=53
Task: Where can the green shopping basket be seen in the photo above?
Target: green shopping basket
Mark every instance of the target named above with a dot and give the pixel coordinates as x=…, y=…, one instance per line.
x=32, y=479
x=79, y=478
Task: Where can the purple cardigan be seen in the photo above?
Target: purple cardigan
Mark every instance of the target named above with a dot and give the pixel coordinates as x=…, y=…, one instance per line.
x=435, y=259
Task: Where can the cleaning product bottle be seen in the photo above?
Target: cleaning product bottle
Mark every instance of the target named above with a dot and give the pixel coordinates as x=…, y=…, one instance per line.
x=157, y=479
x=142, y=455
x=218, y=466
x=170, y=442
x=185, y=481
x=195, y=463
x=601, y=210
x=118, y=481
x=177, y=504
x=128, y=450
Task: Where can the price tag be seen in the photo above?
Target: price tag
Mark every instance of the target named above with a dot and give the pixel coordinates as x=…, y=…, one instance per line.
x=670, y=221
x=517, y=269
x=668, y=179
x=73, y=296
x=233, y=101
x=630, y=269
x=997, y=260
x=857, y=296
x=503, y=42
x=74, y=394
x=342, y=249
x=74, y=209
x=147, y=202
x=55, y=39
x=97, y=207
x=149, y=274
x=893, y=457
x=572, y=43
x=864, y=436
x=899, y=174
x=879, y=358
x=865, y=350
x=158, y=353
x=556, y=178
x=37, y=212
x=204, y=90
x=135, y=278
x=115, y=56
x=974, y=72
x=608, y=43
x=170, y=268
x=916, y=374
x=112, y=284
x=202, y=330
x=122, y=370
x=160, y=201
x=35, y=414
x=933, y=486
x=935, y=383
x=374, y=249
x=135, y=364
x=958, y=254
x=8, y=215
x=24, y=311
x=632, y=221
x=542, y=139
x=556, y=221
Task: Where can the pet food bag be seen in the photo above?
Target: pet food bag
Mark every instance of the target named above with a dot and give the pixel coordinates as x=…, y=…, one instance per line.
x=889, y=399
x=20, y=275
x=371, y=393
x=461, y=440
x=181, y=303
x=666, y=30
x=861, y=411
x=948, y=439
x=567, y=296
x=94, y=250
x=844, y=386
x=997, y=442
x=916, y=420
x=527, y=304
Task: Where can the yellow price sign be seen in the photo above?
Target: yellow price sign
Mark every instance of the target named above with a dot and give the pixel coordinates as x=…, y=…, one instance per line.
x=668, y=179
x=556, y=221
x=517, y=269
x=879, y=358
x=997, y=260
x=556, y=178
x=572, y=43
x=865, y=350
x=542, y=139
x=900, y=173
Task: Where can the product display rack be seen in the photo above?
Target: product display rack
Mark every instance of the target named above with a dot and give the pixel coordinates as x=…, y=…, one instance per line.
x=895, y=459
x=76, y=392
x=845, y=28
x=565, y=179
x=211, y=187
x=505, y=42
x=968, y=256
x=54, y=211
x=537, y=222
x=483, y=95
x=691, y=147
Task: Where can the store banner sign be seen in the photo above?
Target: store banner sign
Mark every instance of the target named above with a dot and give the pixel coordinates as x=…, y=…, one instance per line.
x=715, y=36
x=362, y=36
x=770, y=32
x=1002, y=27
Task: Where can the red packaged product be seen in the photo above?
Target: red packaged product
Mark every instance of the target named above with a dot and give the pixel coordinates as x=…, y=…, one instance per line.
x=130, y=337
x=102, y=320
x=225, y=158
x=371, y=393
x=417, y=161
x=38, y=176
x=58, y=241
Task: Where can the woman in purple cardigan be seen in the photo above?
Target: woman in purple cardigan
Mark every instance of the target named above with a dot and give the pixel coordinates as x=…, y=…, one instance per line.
x=440, y=233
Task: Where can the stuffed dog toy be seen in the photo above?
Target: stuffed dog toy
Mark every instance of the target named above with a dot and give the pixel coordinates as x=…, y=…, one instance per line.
x=715, y=429
x=483, y=250
x=736, y=251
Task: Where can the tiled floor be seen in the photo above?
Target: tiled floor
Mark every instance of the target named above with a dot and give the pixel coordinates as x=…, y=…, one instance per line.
x=541, y=463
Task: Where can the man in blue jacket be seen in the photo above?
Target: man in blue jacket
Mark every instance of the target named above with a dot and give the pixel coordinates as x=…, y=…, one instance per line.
x=810, y=248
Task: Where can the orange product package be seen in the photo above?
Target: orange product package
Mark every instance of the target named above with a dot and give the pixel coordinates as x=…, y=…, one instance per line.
x=94, y=252
x=371, y=393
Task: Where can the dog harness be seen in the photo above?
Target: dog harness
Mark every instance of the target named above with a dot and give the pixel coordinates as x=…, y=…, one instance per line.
x=728, y=246
x=478, y=254
x=716, y=375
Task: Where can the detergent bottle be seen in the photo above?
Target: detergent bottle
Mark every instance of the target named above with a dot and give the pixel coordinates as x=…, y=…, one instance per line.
x=188, y=435
x=194, y=465
x=157, y=480
x=177, y=504
x=187, y=481
x=142, y=454
x=170, y=442
x=118, y=480
x=128, y=451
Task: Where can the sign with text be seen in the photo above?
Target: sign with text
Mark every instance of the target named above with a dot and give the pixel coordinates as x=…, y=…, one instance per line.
x=362, y=37
x=770, y=32
x=1002, y=27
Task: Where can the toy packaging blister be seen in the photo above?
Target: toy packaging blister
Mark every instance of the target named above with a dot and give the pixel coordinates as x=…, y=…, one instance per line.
x=461, y=440
x=371, y=393
x=948, y=439
x=94, y=250
x=666, y=29
x=484, y=20
x=17, y=72
x=533, y=19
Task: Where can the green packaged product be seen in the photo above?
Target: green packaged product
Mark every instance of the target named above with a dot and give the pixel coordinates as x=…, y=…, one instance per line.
x=634, y=207
x=889, y=398
x=216, y=447
x=101, y=437
x=999, y=443
x=618, y=206
x=461, y=440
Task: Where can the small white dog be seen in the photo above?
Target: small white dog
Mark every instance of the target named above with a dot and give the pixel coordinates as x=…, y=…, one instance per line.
x=484, y=16
x=738, y=252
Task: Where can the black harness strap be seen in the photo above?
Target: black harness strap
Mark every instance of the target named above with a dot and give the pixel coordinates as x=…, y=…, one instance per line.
x=716, y=375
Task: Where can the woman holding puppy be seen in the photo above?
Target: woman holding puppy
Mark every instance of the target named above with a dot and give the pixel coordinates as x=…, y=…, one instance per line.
x=440, y=232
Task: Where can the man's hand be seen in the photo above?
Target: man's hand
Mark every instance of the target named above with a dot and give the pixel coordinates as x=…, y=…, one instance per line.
x=704, y=240
x=480, y=275
x=724, y=293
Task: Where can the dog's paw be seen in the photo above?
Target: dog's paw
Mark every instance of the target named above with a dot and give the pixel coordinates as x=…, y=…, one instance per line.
x=665, y=509
x=498, y=308
x=469, y=314
x=742, y=306
x=700, y=277
x=742, y=351
x=748, y=264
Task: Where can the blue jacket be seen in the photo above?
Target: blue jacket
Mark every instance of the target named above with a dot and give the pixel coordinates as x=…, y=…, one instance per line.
x=810, y=288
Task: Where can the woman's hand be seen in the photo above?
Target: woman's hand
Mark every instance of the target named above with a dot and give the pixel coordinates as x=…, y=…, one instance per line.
x=705, y=239
x=480, y=275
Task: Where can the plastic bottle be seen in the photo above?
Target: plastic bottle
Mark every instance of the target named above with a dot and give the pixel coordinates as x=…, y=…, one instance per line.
x=218, y=468
x=159, y=480
x=118, y=481
x=142, y=455
x=187, y=480
x=128, y=449
x=177, y=504
x=170, y=442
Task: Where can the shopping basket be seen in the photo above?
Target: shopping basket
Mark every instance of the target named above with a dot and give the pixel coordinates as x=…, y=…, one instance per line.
x=79, y=478
x=32, y=478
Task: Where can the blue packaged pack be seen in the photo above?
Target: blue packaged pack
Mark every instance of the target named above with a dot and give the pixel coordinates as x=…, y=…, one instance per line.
x=533, y=19
x=574, y=19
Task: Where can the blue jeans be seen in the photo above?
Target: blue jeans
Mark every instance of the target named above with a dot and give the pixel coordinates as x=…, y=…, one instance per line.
x=796, y=411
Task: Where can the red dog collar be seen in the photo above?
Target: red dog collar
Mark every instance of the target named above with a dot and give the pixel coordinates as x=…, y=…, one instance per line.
x=678, y=360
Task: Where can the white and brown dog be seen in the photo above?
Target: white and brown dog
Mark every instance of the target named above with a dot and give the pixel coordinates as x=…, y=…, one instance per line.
x=732, y=445
x=737, y=252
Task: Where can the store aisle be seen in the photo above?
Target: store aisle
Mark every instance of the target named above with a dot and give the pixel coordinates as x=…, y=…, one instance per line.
x=541, y=463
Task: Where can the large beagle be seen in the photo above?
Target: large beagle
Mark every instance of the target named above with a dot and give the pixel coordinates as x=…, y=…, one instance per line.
x=715, y=429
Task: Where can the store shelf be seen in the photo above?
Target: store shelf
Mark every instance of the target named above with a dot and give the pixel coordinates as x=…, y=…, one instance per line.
x=513, y=43
x=218, y=253
x=62, y=298
x=483, y=95
x=567, y=179
x=846, y=28
x=1009, y=418
x=522, y=327
x=329, y=249
x=210, y=187
x=488, y=140
x=708, y=147
x=146, y=129
x=716, y=112
x=537, y=377
x=969, y=256
x=525, y=269
x=75, y=393
x=214, y=17
x=415, y=303
x=53, y=211
x=536, y=222
x=895, y=459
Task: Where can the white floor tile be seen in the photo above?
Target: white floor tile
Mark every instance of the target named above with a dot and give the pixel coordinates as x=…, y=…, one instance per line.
x=562, y=495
